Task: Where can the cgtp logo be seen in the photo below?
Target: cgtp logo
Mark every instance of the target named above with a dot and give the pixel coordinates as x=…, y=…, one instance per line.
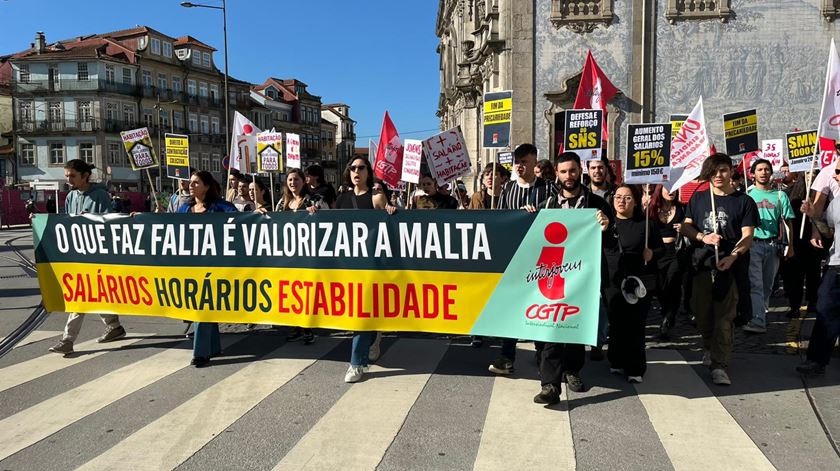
x=551, y=283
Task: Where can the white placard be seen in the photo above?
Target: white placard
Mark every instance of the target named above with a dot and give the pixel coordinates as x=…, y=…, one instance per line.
x=412, y=156
x=774, y=151
x=292, y=150
x=447, y=155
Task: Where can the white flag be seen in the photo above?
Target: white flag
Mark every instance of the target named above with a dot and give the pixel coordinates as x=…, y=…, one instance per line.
x=689, y=148
x=830, y=113
x=242, y=126
x=372, y=150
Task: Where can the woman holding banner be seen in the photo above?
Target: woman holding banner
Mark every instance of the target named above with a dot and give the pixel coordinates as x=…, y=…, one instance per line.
x=667, y=214
x=631, y=274
x=205, y=197
x=358, y=176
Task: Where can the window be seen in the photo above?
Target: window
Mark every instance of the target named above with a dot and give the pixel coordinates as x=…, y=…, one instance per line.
x=82, y=73
x=581, y=16
x=176, y=84
x=214, y=92
x=167, y=49
x=128, y=114
x=271, y=94
x=202, y=89
x=205, y=59
x=110, y=75
x=196, y=57
x=27, y=154
x=127, y=73
x=55, y=112
x=677, y=10
x=216, y=163
x=148, y=117
x=25, y=114
x=205, y=125
x=178, y=119
x=115, y=153
x=163, y=118
x=110, y=111
x=162, y=82
x=84, y=110
x=147, y=79
x=193, y=127
x=191, y=90
x=214, y=125
x=86, y=151
x=23, y=73
x=156, y=46
x=205, y=160
x=56, y=153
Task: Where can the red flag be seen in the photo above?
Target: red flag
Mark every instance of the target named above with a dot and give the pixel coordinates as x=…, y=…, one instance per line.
x=595, y=89
x=389, y=154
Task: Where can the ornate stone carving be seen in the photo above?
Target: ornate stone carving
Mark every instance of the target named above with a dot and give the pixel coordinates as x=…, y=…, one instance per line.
x=677, y=10
x=830, y=9
x=581, y=16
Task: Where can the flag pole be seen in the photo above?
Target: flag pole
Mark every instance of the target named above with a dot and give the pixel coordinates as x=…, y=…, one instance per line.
x=493, y=182
x=271, y=186
x=154, y=193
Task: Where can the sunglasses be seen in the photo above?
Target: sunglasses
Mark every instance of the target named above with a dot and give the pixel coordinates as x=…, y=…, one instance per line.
x=357, y=168
x=837, y=171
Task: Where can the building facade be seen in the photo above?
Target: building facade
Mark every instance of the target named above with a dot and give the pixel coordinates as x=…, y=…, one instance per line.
x=345, y=136
x=663, y=55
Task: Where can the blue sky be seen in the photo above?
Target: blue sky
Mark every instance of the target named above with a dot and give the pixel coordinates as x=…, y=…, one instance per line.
x=371, y=54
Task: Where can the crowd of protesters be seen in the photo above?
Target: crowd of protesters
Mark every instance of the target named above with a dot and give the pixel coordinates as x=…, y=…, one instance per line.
x=715, y=259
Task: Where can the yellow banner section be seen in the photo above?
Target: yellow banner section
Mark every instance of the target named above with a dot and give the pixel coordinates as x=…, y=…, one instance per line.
x=419, y=301
x=741, y=126
x=177, y=151
x=498, y=111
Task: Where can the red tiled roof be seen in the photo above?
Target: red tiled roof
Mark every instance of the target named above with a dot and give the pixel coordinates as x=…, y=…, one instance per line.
x=185, y=40
x=82, y=48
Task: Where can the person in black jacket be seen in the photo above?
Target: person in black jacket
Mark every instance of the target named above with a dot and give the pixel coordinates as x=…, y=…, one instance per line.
x=631, y=272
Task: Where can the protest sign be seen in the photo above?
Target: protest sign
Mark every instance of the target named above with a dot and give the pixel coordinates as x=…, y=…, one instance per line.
x=412, y=156
x=138, y=145
x=800, y=147
x=677, y=121
x=689, y=148
x=269, y=152
x=582, y=134
x=447, y=155
x=648, y=153
x=247, y=153
x=498, y=108
x=772, y=150
x=292, y=150
x=177, y=156
x=498, y=273
x=741, y=132
x=505, y=159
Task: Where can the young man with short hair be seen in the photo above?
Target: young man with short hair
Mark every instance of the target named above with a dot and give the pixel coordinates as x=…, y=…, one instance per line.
x=726, y=234
x=598, y=181
x=774, y=212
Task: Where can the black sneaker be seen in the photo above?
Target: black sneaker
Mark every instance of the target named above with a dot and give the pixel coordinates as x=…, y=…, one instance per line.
x=549, y=394
x=596, y=354
x=574, y=382
x=200, y=362
x=112, y=334
x=810, y=368
x=665, y=328
x=296, y=335
x=308, y=337
x=501, y=366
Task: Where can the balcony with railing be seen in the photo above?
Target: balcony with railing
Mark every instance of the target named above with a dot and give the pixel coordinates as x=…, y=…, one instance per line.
x=67, y=85
x=57, y=126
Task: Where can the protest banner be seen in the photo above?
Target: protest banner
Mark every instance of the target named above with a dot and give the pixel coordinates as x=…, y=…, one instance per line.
x=505, y=159
x=582, y=134
x=247, y=153
x=741, y=132
x=494, y=273
x=269, y=152
x=800, y=148
x=677, y=121
x=412, y=157
x=689, y=148
x=648, y=153
x=772, y=150
x=389, y=154
x=177, y=156
x=498, y=109
x=447, y=155
x=292, y=150
x=138, y=146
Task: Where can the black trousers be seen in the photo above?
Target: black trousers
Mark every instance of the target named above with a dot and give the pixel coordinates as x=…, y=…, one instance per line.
x=827, y=327
x=559, y=358
x=627, y=333
x=670, y=280
x=801, y=275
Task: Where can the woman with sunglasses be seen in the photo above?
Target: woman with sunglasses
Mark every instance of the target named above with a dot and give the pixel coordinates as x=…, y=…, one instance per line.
x=667, y=214
x=205, y=197
x=359, y=178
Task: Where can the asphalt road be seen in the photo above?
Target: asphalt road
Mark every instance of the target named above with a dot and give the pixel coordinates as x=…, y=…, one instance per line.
x=429, y=403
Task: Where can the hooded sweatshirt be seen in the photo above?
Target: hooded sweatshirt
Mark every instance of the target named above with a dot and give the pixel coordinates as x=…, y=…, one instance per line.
x=95, y=200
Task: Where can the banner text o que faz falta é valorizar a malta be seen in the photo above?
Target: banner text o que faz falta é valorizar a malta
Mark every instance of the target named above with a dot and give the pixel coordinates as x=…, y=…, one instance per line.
x=492, y=273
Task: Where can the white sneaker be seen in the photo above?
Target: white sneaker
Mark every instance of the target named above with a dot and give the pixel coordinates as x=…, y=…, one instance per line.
x=707, y=358
x=354, y=374
x=634, y=379
x=720, y=377
x=374, y=352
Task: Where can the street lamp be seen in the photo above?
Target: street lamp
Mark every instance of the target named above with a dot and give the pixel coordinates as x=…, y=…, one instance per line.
x=224, y=28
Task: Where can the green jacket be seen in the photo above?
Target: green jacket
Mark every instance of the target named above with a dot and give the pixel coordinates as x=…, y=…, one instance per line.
x=95, y=200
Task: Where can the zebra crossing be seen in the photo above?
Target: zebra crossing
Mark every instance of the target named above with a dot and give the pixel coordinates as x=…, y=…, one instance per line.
x=428, y=403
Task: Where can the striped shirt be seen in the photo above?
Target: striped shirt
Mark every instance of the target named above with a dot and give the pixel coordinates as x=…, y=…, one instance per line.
x=538, y=193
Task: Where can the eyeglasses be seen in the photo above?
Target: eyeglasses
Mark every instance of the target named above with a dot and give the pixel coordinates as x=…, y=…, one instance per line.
x=837, y=171
x=357, y=168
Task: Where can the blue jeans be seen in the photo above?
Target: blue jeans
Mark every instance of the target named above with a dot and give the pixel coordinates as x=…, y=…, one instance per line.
x=603, y=322
x=764, y=264
x=827, y=328
x=361, y=348
x=206, y=341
